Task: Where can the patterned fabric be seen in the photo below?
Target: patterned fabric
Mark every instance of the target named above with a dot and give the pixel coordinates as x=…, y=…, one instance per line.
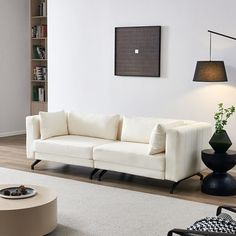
x=221, y=224
x=226, y=217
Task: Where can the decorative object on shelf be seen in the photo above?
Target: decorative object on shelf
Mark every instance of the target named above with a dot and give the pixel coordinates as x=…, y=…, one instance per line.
x=220, y=140
x=137, y=51
x=211, y=71
x=39, y=52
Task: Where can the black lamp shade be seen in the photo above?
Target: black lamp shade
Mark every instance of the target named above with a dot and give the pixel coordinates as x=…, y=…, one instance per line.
x=210, y=71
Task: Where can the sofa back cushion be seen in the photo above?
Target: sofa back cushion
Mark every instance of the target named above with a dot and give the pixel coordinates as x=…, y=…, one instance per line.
x=138, y=129
x=99, y=126
x=53, y=124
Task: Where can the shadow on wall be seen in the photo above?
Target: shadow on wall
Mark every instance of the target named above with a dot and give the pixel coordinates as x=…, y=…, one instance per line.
x=231, y=73
x=164, y=51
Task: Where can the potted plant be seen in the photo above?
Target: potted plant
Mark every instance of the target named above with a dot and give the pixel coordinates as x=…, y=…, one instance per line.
x=220, y=141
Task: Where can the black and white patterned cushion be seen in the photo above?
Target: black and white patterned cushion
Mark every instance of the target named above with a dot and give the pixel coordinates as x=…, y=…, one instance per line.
x=220, y=224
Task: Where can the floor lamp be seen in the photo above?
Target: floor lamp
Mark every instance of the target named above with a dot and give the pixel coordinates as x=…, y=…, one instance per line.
x=211, y=71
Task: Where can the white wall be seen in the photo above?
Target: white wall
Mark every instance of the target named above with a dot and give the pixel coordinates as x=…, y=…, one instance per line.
x=14, y=66
x=81, y=58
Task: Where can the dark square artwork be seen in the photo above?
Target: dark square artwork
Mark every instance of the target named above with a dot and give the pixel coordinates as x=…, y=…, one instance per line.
x=137, y=51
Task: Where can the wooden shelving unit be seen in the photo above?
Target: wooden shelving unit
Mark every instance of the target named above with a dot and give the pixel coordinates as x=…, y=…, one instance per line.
x=39, y=64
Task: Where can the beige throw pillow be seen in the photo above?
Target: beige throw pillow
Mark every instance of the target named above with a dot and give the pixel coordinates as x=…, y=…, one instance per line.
x=157, y=141
x=53, y=124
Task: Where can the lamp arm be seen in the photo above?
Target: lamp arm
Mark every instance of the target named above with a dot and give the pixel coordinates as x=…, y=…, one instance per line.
x=223, y=35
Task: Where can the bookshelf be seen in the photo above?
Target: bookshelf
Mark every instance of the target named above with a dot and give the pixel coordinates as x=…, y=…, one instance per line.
x=38, y=55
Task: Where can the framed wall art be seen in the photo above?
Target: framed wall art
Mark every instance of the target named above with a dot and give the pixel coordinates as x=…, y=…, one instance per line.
x=138, y=51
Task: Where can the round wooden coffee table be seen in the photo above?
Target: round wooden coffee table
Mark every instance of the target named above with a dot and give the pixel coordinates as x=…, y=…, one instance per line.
x=34, y=216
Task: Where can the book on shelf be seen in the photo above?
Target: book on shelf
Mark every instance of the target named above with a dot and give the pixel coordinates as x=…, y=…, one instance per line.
x=41, y=94
x=42, y=8
x=39, y=52
x=40, y=73
x=35, y=93
x=45, y=72
x=39, y=31
x=38, y=94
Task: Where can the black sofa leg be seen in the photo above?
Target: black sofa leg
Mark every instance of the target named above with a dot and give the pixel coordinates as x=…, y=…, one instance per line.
x=101, y=174
x=184, y=232
x=174, y=185
x=93, y=173
x=34, y=164
x=200, y=175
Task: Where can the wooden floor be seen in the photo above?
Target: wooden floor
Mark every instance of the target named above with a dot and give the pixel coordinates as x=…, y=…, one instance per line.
x=12, y=155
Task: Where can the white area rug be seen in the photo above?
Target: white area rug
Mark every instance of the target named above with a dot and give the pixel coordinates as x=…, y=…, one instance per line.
x=90, y=209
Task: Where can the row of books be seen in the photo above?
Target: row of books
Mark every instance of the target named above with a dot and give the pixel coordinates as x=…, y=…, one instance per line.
x=42, y=8
x=39, y=31
x=40, y=73
x=39, y=52
x=38, y=94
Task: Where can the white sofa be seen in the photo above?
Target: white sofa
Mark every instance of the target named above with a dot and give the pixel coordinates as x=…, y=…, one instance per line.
x=120, y=144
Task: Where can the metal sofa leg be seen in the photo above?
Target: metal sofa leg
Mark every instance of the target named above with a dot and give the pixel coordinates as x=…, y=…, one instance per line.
x=34, y=164
x=184, y=232
x=231, y=208
x=200, y=175
x=101, y=174
x=174, y=185
x=93, y=173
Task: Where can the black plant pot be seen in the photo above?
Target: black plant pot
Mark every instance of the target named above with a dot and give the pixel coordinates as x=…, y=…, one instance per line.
x=220, y=141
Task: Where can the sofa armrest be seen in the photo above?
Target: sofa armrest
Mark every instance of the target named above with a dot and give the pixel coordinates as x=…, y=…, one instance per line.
x=32, y=133
x=183, y=150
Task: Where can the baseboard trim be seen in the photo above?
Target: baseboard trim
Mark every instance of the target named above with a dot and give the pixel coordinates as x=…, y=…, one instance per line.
x=12, y=133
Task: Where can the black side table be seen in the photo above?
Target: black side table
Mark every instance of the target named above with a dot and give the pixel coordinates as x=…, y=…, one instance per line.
x=219, y=182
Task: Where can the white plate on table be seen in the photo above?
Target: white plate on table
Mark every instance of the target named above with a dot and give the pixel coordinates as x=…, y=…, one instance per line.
x=30, y=193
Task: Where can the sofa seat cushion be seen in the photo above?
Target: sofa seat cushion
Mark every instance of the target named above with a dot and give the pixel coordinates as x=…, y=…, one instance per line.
x=69, y=145
x=129, y=154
